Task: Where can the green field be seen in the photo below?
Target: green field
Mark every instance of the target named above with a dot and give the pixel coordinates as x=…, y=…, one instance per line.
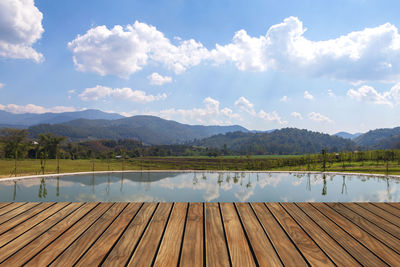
x=229, y=163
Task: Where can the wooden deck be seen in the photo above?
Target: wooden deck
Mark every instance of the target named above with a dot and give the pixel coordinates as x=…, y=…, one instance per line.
x=200, y=234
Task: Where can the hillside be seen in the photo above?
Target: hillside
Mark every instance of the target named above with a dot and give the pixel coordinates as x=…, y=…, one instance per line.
x=377, y=139
x=284, y=141
x=149, y=129
x=347, y=135
x=28, y=119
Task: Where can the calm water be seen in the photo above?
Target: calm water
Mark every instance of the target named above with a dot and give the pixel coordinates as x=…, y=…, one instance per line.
x=200, y=187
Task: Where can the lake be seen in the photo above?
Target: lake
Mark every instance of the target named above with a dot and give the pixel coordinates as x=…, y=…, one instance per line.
x=202, y=187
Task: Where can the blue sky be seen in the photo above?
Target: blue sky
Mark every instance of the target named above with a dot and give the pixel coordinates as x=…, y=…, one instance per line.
x=322, y=65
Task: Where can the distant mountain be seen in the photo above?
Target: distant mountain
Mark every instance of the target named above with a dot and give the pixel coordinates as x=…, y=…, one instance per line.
x=347, y=135
x=377, y=139
x=283, y=141
x=28, y=119
x=149, y=129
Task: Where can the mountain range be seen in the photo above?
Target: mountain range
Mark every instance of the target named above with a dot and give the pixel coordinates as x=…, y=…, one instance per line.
x=8, y=119
x=94, y=124
x=149, y=129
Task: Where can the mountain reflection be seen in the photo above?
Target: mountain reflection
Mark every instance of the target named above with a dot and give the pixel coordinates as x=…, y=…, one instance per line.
x=205, y=186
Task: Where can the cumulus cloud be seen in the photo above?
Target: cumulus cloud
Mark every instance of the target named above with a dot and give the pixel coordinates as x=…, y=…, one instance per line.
x=245, y=105
x=20, y=28
x=157, y=79
x=296, y=115
x=368, y=55
x=371, y=54
x=124, y=50
x=369, y=94
x=273, y=116
x=331, y=93
x=31, y=108
x=101, y=92
x=318, y=117
x=211, y=113
x=284, y=99
x=307, y=95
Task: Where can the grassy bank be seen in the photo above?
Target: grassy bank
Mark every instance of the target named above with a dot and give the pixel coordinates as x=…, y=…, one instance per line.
x=268, y=163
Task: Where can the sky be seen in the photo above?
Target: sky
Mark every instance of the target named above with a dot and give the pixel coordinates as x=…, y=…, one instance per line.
x=326, y=66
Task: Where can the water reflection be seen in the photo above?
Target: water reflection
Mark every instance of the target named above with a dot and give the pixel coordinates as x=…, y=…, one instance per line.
x=183, y=187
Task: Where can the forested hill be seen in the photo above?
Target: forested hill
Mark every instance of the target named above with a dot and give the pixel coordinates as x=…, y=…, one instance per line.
x=379, y=139
x=148, y=129
x=284, y=141
x=8, y=119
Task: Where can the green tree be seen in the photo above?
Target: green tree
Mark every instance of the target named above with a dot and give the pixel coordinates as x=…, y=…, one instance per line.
x=49, y=144
x=15, y=143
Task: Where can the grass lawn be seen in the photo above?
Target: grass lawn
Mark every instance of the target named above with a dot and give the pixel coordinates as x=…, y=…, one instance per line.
x=256, y=163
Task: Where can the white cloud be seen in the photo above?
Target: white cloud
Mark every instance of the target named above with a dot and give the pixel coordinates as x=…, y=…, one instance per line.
x=369, y=94
x=1, y=85
x=371, y=54
x=317, y=117
x=296, y=115
x=157, y=79
x=331, y=93
x=273, y=116
x=101, y=92
x=124, y=50
x=284, y=99
x=307, y=95
x=245, y=105
x=31, y=108
x=211, y=113
x=20, y=28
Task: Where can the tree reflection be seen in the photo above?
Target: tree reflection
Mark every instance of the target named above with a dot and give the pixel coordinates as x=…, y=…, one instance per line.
x=58, y=187
x=324, y=188
x=42, y=189
x=344, y=186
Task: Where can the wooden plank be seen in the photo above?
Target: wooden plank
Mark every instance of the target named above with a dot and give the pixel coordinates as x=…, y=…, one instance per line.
x=125, y=246
x=10, y=234
x=262, y=247
x=147, y=248
x=10, y=207
x=388, y=208
x=47, y=255
x=383, y=236
x=18, y=211
x=379, y=249
x=24, y=216
x=385, y=225
x=3, y=204
x=313, y=254
x=286, y=250
x=358, y=251
x=168, y=254
x=33, y=233
x=239, y=249
x=30, y=250
x=338, y=255
x=72, y=254
x=215, y=245
x=394, y=204
x=193, y=243
x=381, y=213
x=99, y=250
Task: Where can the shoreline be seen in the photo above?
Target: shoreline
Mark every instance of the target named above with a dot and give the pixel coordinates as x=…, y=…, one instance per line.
x=193, y=171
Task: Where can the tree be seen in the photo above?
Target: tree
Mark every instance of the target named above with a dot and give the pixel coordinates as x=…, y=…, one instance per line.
x=15, y=143
x=49, y=144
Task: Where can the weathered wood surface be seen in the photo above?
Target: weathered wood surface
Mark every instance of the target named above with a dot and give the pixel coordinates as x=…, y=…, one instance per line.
x=200, y=234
